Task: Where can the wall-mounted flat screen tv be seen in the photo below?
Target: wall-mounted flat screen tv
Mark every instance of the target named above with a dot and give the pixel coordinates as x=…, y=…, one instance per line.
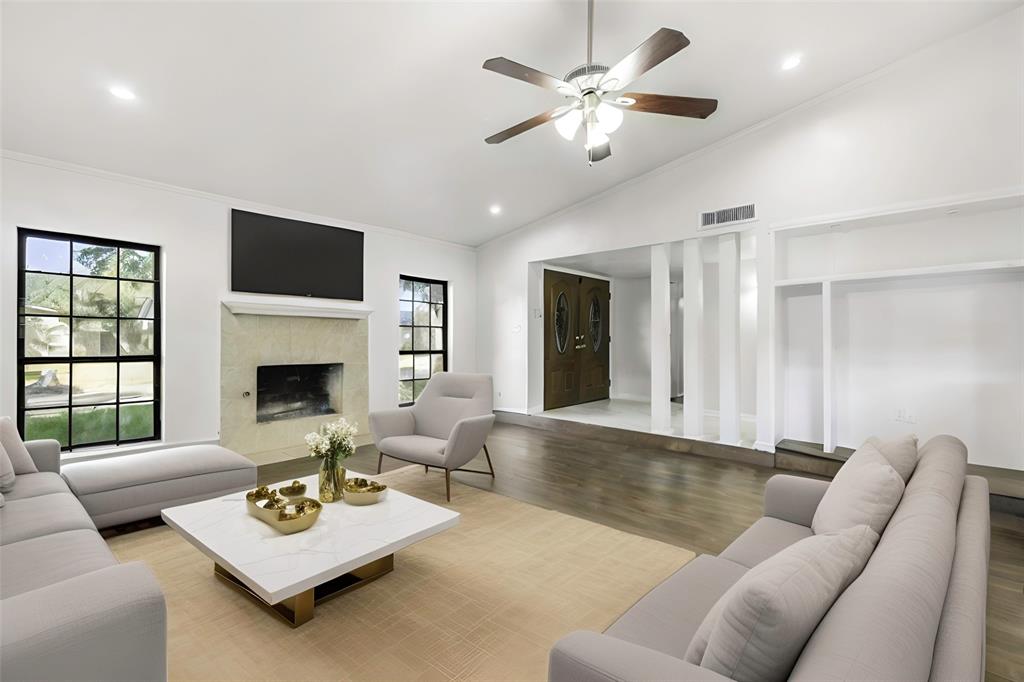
x=271, y=255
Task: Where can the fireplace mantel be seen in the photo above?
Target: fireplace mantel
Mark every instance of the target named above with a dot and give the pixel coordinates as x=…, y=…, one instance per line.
x=296, y=306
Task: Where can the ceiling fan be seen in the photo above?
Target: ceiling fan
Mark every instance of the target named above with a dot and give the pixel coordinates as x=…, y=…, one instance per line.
x=595, y=92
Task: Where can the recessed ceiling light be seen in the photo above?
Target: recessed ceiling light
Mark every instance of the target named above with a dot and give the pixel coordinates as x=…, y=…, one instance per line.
x=495, y=209
x=121, y=92
x=791, y=62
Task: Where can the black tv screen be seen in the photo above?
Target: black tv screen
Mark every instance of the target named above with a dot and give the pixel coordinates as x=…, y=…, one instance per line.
x=271, y=255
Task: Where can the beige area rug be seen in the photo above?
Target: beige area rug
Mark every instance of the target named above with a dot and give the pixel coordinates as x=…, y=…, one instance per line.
x=484, y=600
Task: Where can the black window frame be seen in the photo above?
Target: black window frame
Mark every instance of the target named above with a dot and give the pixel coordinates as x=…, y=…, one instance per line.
x=71, y=359
x=444, y=329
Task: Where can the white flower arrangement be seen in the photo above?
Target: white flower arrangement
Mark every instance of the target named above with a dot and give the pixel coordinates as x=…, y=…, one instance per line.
x=333, y=440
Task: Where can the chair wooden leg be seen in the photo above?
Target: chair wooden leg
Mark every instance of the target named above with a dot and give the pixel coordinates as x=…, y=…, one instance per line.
x=448, y=484
x=426, y=469
x=488, y=456
x=380, y=460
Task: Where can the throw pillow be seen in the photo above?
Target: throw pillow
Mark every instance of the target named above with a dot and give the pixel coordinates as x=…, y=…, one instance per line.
x=866, y=490
x=6, y=471
x=758, y=628
x=15, y=447
x=900, y=452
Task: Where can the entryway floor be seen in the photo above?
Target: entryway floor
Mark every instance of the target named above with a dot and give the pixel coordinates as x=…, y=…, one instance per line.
x=635, y=415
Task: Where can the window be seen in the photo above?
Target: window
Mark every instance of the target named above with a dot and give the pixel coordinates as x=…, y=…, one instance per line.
x=423, y=334
x=88, y=339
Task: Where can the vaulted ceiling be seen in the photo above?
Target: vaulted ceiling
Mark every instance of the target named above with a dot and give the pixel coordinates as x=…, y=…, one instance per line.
x=376, y=112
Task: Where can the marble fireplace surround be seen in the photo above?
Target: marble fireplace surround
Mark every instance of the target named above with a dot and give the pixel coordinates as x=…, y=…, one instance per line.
x=249, y=340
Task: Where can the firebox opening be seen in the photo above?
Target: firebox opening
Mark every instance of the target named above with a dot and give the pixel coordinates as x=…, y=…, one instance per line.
x=295, y=391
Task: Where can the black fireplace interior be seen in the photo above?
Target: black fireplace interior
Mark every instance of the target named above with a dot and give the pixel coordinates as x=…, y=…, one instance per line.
x=293, y=391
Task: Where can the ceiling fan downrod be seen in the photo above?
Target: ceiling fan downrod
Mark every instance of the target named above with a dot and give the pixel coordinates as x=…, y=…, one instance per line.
x=590, y=31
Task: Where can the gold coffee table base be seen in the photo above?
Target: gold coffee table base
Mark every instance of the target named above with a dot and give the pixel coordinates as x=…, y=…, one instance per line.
x=298, y=610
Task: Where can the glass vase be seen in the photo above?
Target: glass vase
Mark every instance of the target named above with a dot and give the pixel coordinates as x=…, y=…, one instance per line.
x=332, y=479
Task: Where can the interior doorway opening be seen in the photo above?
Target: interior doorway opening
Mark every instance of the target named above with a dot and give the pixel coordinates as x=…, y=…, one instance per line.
x=656, y=338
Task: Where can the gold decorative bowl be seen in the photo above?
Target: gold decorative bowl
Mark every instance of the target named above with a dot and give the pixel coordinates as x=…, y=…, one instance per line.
x=360, y=492
x=284, y=514
x=296, y=489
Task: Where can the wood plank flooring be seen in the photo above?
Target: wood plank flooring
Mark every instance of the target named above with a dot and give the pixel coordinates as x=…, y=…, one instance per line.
x=686, y=500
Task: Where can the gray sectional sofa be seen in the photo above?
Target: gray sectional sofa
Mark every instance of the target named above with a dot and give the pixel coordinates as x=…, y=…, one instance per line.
x=68, y=609
x=916, y=611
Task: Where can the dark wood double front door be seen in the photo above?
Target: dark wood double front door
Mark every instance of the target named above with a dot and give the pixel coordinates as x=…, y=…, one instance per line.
x=576, y=338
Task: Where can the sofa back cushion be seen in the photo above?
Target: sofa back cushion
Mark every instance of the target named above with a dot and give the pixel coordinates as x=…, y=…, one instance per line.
x=756, y=630
x=866, y=491
x=11, y=441
x=900, y=452
x=449, y=397
x=884, y=625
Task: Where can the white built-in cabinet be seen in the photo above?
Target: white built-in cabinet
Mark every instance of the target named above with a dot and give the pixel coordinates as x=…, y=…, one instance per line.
x=904, y=321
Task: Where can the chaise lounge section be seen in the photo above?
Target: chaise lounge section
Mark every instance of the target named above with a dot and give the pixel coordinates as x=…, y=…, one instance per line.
x=69, y=610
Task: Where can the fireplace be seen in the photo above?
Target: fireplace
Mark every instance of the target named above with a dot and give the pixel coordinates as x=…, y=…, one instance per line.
x=296, y=391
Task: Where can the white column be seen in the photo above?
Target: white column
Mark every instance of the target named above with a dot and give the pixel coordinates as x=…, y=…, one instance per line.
x=729, y=338
x=661, y=339
x=693, y=338
x=828, y=408
x=767, y=348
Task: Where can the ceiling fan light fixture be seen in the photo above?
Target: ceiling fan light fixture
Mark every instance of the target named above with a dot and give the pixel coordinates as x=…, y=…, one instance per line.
x=588, y=85
x=569, y=123
x=595, y=137
x=609, y=118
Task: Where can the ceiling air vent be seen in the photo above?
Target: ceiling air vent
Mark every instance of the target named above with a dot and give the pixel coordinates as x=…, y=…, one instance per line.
x=727, y=216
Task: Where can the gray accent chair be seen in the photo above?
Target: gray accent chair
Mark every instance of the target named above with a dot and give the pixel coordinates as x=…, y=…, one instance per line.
x=916, y=612
x=69, y=610
x=445, y=429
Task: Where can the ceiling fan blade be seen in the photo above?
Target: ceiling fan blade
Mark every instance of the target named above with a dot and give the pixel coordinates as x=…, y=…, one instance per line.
x=663, y=44
x=528, y=124
x=507, y=67
x=693, y=107
x=599, y=152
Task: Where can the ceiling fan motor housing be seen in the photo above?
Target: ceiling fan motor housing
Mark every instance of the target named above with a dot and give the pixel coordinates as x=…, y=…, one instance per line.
x=587, y=76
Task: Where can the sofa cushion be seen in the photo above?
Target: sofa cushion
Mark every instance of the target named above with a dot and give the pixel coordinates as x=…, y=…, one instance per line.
x=757, y=629
x=42, y=515
x=900, y=452
x=764, y=539
x=102, y=475
x=121, y=505
x=6, y=471
x=11, y=441
x=423, y=449
x=866, y=491
x=885, y=625
x=38, y=562
x=34, y=485
x=666, y=618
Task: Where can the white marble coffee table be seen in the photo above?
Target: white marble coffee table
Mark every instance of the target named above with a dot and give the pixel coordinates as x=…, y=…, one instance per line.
x=347, y=547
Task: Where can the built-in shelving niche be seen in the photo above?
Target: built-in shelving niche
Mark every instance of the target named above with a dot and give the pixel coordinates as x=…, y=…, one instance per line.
x=906, y=321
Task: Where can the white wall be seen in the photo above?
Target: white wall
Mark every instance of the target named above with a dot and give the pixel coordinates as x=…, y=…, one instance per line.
x=933, y=356
x=192, y=230
x=895, y=138
x=631, y=338
x=800, y=364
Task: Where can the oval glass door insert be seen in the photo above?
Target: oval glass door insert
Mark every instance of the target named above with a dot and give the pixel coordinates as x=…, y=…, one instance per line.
x=561, y=323
x=595, y=323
